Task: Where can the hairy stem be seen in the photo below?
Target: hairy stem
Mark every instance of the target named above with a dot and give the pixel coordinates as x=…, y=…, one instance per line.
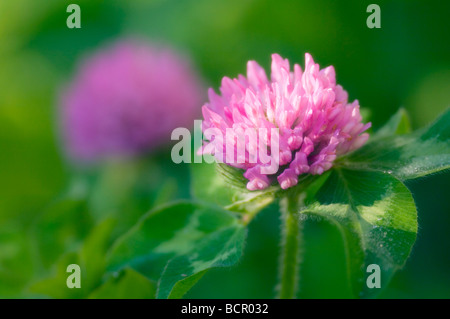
x=291, y=237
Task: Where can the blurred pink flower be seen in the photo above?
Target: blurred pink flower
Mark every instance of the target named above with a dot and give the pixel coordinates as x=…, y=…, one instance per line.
x=314, y=119
x=126, y=99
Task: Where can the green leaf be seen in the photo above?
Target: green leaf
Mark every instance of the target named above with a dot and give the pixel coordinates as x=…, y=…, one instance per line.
x=91, y=259
x=225, y=186
x=173, y=230
x=209, y=186
x=128, y=284
x=398, y=124
x=182, y=286
x=220, y=249
x=377, y=218
x=60, y=228
x=93, y=251
x=406, y=156
x=55, y=285
x=16, y=264
x=366, y=114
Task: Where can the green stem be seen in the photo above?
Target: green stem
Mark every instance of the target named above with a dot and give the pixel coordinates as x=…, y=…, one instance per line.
x=290, y=248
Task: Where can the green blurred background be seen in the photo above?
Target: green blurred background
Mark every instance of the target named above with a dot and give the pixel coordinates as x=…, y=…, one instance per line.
x=405, y=63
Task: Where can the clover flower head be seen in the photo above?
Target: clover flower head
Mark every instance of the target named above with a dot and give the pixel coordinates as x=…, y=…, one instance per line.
x=313, y=121
x=126, y=99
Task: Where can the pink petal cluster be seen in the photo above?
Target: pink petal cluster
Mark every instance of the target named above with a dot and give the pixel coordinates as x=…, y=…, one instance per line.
x=314, y=119
x=126, y=99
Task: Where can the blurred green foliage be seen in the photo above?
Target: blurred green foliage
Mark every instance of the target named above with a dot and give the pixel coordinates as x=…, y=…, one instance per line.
x=48, y=209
